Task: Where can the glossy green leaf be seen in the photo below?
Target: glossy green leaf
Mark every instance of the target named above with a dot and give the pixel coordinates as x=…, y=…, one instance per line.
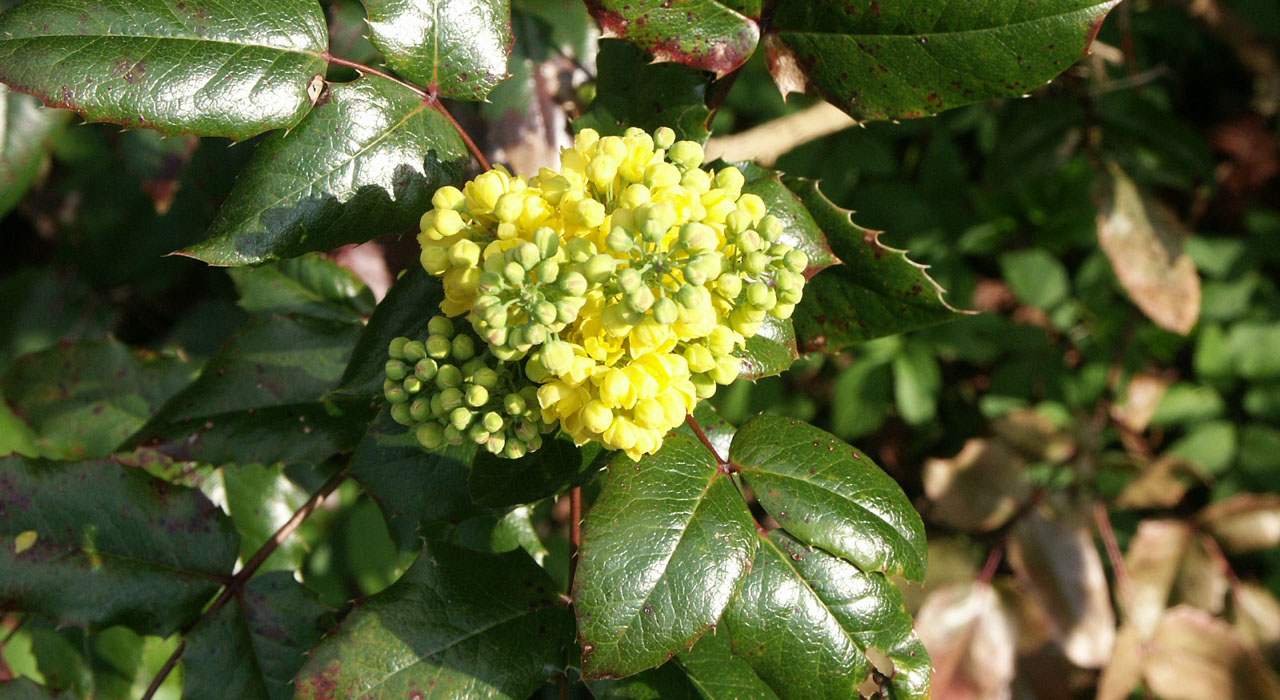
x=714, y=35
x=459, y=624
x=307, y=285
x=264, y=398
x=720, y=675
x=879, y=60
x=97, y=544
x=630, y=91
x=363, y=163
x=84, y=399
x=25, y=132
x=261, y=499
x=26, y=689
x=875, y=292
x=558, y=466
x=830, y=495
x=663, y=549
x=718, y=431
x=206, y=67
x=805, y=620
x=458, y=47
x=409, y=482
x=666, y=682
x=408, y=306
x=771, y=351
x=253, y=647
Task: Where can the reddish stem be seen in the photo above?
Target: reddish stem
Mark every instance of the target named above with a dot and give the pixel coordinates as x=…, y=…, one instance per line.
x=993, y=563
x=164, y=671
x=1123, y=582
x=575, y=532
x=724, y=464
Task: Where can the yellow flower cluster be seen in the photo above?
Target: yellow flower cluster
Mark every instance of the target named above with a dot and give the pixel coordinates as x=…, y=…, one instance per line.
x=625, y=282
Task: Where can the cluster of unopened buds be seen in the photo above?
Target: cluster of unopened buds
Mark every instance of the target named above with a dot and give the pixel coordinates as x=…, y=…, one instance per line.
x=610, y=297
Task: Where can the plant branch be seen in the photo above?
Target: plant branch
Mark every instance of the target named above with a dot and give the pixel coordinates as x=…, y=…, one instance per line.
x=1123, y=582
x=724, y=464
x=575, y=532
x=236, y=585
x=769, y=141
x=429, y=96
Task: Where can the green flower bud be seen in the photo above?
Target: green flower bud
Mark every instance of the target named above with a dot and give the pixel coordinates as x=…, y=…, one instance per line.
x=619, y=240
x=704, y=386
x=527, y=255
x=414, y=350
x=796, y=261
x=535, y=333
x=780, y=250
x=485, y=377
x=689, y=297
x=478, y=434
x=492, y=421
x=697, y=237
x=460, y=417
x=590, y=213
x=547, y=271
x=396, y=349
x=534, y=370
x=663, y=137
x=514, y=449
x=489, y=283
x=524, y=430
x=420, y=409
x=412, y=385
x=544, y=312
x=452, y=435
x=759, y=294
x=440, y=325
x=748, y=241
x=513, y=274
x=464, y=348
x=731, y=179
x=567, y=309
x=546, y=241
x=477, y=396
x=655, y=220
x=686, y=153
x=496, y=337
x=736, y=222
x=509, y=207
x=514, y=404
x=709, y=264
x=755, y=263
x=439, y=347
x=437, y=405
x=782, y=311
x=535, y=443
x=770, y=228
x=665, y=311
x=430, y=435
x=495, y=443
x=396, y=370
x=729, y=285
x=426, y=369
x=600, y=267
x=634, y=196
x=579, y=249
x=402, y=414
x=573, y=283
x=696, y=180
x=448, y=376
x=494, y=315
x=556, y=356
x=629, y=280
x=694, y=275
x=451, y=399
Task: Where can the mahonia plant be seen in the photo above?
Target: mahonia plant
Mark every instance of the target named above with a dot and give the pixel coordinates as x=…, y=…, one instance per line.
x=558, y=340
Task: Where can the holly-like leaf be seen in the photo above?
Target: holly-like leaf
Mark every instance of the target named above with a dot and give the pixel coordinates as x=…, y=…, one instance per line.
x=830, y=495
x=879, y=60
x=458, y=47
x=252, y=647
x=408, y=306
x=84, y=399
x=308, y=285
x=666, y=682
x=633, y=92
x=459, y=624
x=408, y=481
x=99, y=544
x=363, y=163
x=714, y=35
x=720, y=675
x=25, y=132
x=559, y=465
x=260, y=500
x=265, y=397
x=200, y=67
x=770, y=351
x=806, y=622
x=663, y=549
x=876, y=292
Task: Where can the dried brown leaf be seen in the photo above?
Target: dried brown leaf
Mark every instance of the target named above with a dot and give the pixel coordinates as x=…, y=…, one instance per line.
x=1142, y=396
x=1196, y=656
x=1058, y=560
x=971, y=637
x=1124, y=668
x=979, y=489
x=1201, y=581
x=1162, y=484
x=1154, y=558
x=1245, y=522
x=1144, y=240
x=1034, y=436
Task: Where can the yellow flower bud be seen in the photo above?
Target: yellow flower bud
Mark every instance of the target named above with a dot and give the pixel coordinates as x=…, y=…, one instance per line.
x=596, y=416
x=448, y=222
x=447, y=197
